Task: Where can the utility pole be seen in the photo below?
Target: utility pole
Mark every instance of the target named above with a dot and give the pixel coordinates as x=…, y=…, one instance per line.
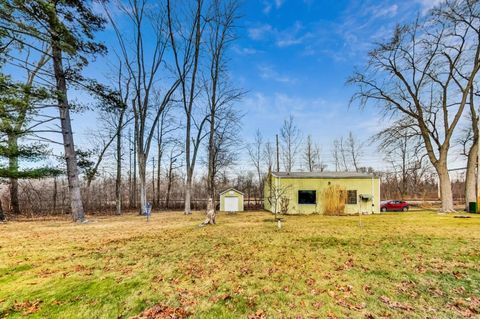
x=278, y=155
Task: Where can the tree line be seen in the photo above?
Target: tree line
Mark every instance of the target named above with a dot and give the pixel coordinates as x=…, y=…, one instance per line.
x=170, y=86
x=169, y=105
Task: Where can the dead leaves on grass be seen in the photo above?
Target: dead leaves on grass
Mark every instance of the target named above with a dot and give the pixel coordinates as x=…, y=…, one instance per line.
x=27, y=307
x=348, y=264
x=467, y=308
x=259, y=314
x=395, y=304
x=163, y=312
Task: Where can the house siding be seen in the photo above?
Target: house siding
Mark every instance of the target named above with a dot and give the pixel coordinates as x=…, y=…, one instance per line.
x=293, y=185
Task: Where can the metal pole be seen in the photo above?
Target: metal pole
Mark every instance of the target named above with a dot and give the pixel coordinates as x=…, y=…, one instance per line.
x=278, y=156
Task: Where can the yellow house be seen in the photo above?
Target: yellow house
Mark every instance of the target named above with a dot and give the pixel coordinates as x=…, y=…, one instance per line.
x=334, y=193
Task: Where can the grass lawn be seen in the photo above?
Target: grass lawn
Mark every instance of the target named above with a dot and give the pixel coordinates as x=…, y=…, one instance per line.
x=395, y=265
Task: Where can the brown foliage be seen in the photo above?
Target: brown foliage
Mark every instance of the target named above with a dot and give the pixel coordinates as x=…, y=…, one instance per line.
x=27, y=307
x=163, y=312
x=395, y=304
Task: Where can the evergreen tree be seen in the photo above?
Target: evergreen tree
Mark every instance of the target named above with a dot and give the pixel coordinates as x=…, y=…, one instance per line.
x=67, y=27
x=16, y=111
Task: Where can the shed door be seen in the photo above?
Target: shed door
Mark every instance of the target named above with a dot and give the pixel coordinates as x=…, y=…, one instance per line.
x=231, y=204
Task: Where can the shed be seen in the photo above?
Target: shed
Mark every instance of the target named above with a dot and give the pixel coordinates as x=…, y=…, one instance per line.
x=231, y=200
x=322, y=192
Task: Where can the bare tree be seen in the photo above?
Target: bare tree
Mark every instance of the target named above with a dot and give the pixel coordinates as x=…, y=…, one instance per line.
x=470, y=150
x=226, y=141
x=402, y=146
x=176, y=151
x=425, y=72
x=277, y=195
x=120, y=121
x=340, y=155
x=354, y=149
x=144, y=67
x=185, y=33
x=291, y=141
x=221, y=96
x=268, y=155
x=336, y=155
x=256, y=157
x=311, y=156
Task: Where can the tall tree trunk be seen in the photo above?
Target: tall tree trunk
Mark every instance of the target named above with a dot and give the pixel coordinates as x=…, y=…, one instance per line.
x=159, y=172
x=55, y=194
x=188, y=182
x=188, y=194
x=142, y=170
x=169, y=188
x=471, y=178
x=2, y=215
x=445, y=187
x=159, y=161
x=211, y=161
x=134, y=184
x=130, y=178
x=76, y=204
x=118, y=180
x=13, y=168
x=153, y=181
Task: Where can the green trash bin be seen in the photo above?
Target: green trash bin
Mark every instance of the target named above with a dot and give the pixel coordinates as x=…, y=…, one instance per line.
x=472, y=207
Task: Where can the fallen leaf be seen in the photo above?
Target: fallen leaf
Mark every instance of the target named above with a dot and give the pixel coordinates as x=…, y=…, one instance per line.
x=259, y=314
x=395, y=304
x=162, y=312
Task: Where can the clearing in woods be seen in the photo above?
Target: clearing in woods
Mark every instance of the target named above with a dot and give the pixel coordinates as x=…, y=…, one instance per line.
x=396, y=265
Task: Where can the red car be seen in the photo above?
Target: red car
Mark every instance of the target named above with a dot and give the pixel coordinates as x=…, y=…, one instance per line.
x=394, y=205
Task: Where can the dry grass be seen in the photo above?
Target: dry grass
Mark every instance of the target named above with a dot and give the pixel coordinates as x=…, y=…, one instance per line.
x=414, y=265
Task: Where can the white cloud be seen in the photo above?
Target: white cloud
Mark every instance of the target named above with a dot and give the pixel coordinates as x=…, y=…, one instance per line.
x=427, y=5
x=269, y=4
x=246, y=51
x=279, y=3
x=260, y=32
x=267, y=7
x=283, y=38
x=389, y=11
x=267, y=72
x=292, y=36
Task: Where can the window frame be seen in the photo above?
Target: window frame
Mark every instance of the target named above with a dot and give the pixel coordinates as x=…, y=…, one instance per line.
x=349, y=192
x=307, y=190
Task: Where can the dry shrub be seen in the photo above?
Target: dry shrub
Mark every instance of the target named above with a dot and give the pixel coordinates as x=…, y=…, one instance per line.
x=334, y=199
x=284, y=202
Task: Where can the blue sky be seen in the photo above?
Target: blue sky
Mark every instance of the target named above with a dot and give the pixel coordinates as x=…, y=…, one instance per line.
x=293, y=57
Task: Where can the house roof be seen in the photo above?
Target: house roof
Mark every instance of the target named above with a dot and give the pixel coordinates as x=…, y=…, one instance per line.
x=325, y=175
x=231, y=189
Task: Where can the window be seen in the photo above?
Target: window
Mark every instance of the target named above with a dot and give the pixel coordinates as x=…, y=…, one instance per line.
x=351, y=197
x=307, y=197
